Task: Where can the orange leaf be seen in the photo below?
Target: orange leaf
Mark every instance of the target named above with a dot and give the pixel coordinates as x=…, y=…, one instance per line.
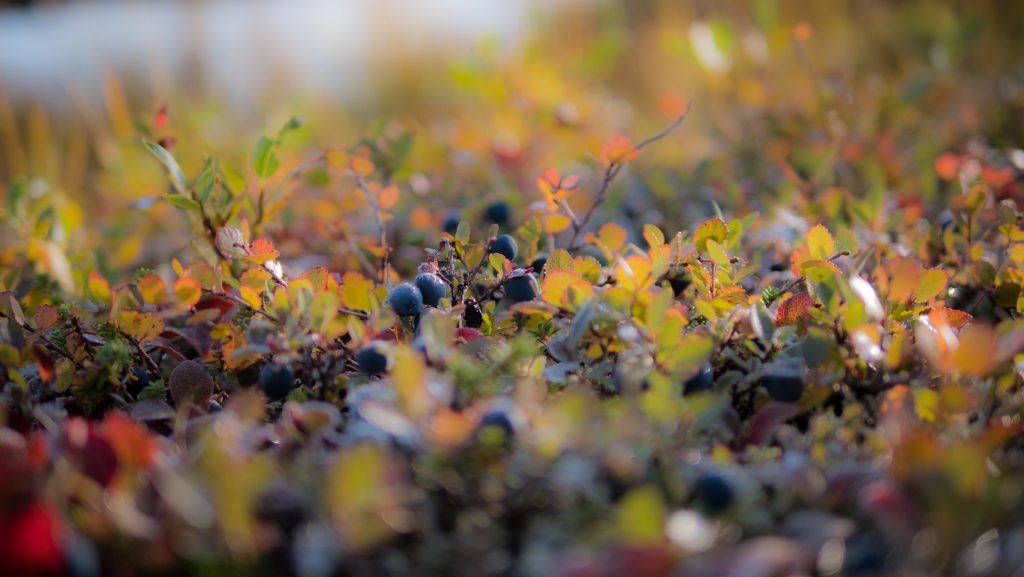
x=99, y=288
x=388, y=197
x=794, y=309
x=362, y=166
x=188, y=291
x=618, y=150
x=153, y=289
x=261, y=250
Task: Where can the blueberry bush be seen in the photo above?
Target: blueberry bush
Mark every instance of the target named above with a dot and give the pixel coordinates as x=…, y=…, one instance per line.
x=573, y=349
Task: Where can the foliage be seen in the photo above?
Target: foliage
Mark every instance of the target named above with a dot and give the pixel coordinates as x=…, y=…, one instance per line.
x=859, y=321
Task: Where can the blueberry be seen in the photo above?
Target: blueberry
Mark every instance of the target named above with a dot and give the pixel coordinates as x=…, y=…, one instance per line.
x=498, y=213
x=451, y=222
x=431, y=287
x=371, y=360
x=498, y=420
x=521, y=289
x=276, y=381
x=704, y=380
x=505, y=245
x=783, y=388
x=679, y=282
x=538, y=263
x=713, y=493
x=137, y=381
x=406, y=300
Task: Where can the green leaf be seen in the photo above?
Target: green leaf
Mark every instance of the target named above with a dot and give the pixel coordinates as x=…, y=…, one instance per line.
x=178, y=180
x=182, y=202
x=717, y=253
x=559, y=260
x=932, y=282
x=641, y=516
x=264, y=159
x=206, y=181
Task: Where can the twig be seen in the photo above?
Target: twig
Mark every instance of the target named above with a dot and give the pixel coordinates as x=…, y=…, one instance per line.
x=361, y=184
x=613, y=170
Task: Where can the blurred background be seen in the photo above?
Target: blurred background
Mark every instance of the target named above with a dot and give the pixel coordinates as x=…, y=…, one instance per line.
x=494, y=92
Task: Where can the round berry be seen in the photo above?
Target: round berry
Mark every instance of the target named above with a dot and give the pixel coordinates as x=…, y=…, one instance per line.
x=498, y=213
x=538, y=262
x=521, y=288
x=406, y=300
x=704, y=380
x=276, y=381
x=451, y=222
x=714, y=493
x=371, y=360
x=138, y=380
x=506, y=246
x=498, y=420
x=431, y=287
x=783, y=388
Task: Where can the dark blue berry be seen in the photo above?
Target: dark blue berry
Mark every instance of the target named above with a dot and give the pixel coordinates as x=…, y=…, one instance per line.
x=371, y=360
x=783, y=388
x=498, y=213
x=451, y=222
x=276, y=381
x=704, y=380
x=431, y=287
x=505, y=245
x=538, y=263
x=406, y=300
x=137, y=381
x=521, y=289
x=713, y=493
x=499, y=420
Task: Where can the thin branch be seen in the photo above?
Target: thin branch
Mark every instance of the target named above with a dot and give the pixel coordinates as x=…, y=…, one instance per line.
x=613, y=170
x=361, y=184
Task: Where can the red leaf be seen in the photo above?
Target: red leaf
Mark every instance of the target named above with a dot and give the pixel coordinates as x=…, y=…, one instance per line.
x=768, y=419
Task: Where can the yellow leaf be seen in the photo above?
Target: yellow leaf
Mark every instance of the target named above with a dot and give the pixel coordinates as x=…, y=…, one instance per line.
x=820, y=244
x=613, y=236
x=251, y=297
x=153, y=289
x=140, y=326
x=356, y=291
x=410, y=387
x=337, y=158
x=713, y=229
x=187, y=291
x=556, y=223
x=975, y=353
x=560, y=260
x=641, y=516
x=99, y=288
x=933, y=281
x=565, y=289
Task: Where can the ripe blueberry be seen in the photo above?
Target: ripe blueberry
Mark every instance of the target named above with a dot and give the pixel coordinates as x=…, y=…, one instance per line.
x=505, y=245
x=406, y=300
x=371, y=360
x=498, y=213
x=276, y=381
x=538, y=263
x=783, y=388
x=138, y=380
x=521, y=289
x=498, y=420
x=451, y=222
x=431, y=287
x=714, y=493
x=704, y=380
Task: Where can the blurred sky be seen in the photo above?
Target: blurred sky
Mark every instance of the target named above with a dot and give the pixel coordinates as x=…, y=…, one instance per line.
x=234, y=49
